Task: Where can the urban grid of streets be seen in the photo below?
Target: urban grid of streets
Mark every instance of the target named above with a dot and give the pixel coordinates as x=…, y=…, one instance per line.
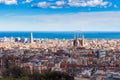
x=85, y=59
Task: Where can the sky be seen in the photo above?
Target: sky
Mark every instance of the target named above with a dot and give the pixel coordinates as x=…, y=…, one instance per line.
x=59, y=15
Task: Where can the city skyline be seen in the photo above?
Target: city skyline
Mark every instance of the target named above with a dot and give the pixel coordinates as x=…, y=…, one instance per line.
x=60, y=15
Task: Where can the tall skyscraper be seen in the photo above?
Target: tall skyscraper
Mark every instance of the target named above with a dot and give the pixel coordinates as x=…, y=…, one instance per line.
x=31, y=37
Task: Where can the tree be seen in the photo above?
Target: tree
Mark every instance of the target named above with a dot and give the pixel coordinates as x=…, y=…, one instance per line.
x=6, y=79
x=18, y=73
x=35, y=76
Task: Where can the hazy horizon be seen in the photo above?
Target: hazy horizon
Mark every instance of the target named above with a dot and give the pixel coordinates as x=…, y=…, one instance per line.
x=60, y=15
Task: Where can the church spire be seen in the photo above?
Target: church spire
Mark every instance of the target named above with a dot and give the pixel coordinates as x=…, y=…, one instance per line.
x=75, y=41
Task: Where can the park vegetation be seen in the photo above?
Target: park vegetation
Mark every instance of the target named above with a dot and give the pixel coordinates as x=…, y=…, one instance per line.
x=18, y=73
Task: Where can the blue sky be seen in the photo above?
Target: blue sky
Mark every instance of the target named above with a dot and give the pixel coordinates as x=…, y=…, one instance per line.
x=59, y=15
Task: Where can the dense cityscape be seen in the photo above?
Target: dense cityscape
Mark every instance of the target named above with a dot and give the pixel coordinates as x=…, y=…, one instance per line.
x=59, y=39
x=84, y=59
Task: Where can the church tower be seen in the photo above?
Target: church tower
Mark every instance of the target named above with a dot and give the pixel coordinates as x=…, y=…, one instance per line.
x=82, y=41
x=75, y=41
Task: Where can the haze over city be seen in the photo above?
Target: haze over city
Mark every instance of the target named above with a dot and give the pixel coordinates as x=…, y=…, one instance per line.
x=59, y=15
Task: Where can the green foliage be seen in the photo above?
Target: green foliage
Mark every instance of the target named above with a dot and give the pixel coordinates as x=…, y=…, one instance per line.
x=17, y=73
x=23, y=78
x=6, y=79
x=35, y=76
x=6, y=73
x=57, y=76
x=14, y=72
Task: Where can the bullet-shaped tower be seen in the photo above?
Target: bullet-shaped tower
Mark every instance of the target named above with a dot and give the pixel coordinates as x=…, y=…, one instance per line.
x=31, y=37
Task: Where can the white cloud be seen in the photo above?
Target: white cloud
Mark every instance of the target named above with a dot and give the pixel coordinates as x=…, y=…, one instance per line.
x=89, y=3
x=27, y=1
x=74, y=3
x=8, y=2
x=57, y=4
x=60, y=3
x=55, y=7
x=41, y=4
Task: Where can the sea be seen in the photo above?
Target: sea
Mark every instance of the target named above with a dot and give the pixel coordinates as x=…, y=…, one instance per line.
x=60, y=34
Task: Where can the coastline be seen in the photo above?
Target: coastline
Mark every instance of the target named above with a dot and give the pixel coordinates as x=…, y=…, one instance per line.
x=60, y=34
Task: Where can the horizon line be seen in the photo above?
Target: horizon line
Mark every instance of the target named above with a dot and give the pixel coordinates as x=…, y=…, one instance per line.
x=60, y=31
